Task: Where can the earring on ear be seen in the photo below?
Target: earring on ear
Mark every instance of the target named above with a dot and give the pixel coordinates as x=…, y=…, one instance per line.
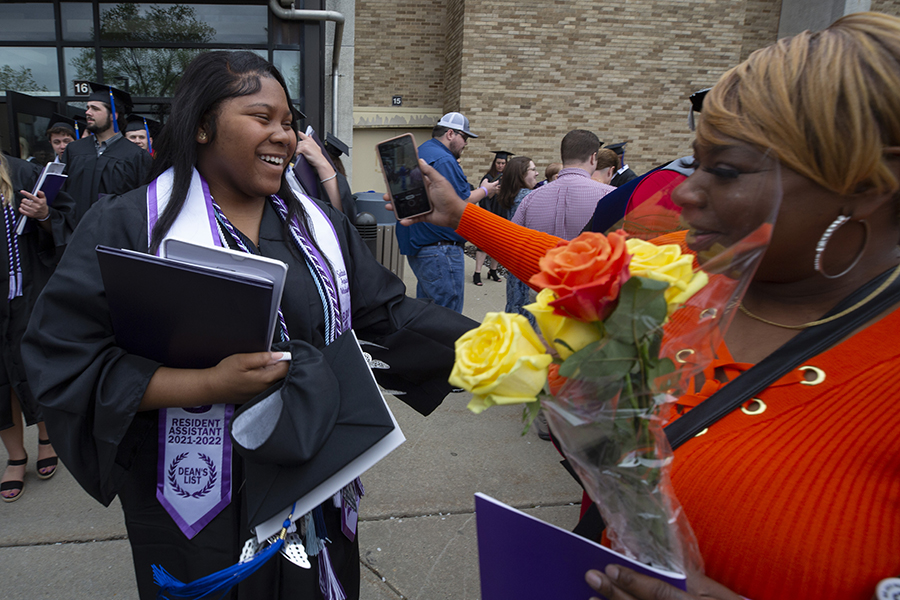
x=202, y=136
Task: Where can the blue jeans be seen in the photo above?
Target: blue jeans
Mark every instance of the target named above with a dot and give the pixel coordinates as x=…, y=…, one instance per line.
x=518, y=294
x=440, y=271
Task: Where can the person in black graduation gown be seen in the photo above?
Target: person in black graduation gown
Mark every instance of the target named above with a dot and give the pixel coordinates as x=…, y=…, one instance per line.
x=36, y=252
x=231, y=120
x=624, y=174
x=106, y=162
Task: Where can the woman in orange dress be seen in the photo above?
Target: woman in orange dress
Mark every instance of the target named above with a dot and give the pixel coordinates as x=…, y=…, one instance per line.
x=797, y=494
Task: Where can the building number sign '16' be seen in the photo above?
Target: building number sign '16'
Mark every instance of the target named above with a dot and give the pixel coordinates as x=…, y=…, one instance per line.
x=82, y=88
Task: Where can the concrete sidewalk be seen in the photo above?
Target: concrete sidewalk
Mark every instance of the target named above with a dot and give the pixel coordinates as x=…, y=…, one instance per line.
x=417, y=526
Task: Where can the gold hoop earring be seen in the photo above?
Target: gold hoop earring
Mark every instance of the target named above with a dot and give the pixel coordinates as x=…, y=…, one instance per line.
x=823, y=243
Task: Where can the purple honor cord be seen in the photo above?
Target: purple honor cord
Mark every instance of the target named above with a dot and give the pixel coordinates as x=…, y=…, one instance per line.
x=12, y=250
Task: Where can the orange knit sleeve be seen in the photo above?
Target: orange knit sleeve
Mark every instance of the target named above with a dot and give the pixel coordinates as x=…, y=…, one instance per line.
x=515, y=247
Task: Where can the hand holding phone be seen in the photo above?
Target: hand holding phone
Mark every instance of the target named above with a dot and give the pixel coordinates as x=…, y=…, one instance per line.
x=403, y=176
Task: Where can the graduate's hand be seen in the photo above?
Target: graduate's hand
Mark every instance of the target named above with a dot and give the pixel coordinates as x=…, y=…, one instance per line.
x=234, y=380
x=620, y=583
x=240, y=377
x=33, y=206
x=448, y=206
x=308, y=147
x=492, y=188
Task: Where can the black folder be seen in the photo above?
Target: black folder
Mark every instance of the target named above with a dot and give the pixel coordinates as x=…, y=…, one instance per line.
x=183, y=315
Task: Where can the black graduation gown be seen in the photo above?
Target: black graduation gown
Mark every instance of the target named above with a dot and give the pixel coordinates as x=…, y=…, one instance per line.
x=39, y=252
x=90, y=390
x=623, y=178
x=122, y=167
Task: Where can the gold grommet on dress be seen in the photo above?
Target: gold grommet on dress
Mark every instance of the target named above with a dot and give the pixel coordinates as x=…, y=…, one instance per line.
x=682, y=355
x=758, y=410
x=820, y=375
x=699, y=433
x=708, y=312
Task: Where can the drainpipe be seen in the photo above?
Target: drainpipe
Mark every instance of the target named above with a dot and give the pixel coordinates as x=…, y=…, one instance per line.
x=294, y=14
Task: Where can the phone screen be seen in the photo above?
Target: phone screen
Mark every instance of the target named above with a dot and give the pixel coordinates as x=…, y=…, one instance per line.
x=404, y=177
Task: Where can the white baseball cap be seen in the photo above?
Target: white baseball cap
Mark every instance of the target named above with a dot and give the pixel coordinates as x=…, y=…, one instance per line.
x=457, y=121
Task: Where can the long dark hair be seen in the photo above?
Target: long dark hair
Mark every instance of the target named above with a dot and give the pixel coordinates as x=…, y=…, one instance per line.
x=209, y=80
x=513, y=180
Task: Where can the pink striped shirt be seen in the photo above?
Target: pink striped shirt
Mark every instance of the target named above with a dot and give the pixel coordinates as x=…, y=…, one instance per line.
x=563, y=207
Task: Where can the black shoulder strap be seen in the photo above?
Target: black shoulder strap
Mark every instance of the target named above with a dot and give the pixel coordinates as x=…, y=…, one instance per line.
x=809, y=343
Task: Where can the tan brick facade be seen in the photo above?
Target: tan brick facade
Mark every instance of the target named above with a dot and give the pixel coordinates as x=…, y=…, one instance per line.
x=525, y=72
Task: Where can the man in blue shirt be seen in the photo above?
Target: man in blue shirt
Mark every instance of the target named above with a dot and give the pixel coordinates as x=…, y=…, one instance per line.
x=435, y=253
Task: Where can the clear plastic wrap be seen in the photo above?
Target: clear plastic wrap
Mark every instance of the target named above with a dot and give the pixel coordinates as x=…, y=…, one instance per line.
x=610, y=400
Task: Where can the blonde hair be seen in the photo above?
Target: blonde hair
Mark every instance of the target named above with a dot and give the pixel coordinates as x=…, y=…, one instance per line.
x=6, y=185
x=827, y=103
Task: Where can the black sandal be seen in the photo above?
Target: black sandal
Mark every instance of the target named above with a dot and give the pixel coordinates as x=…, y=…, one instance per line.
x=492, y=274
x=14, y=485
x=476, y=279
x=46, y=463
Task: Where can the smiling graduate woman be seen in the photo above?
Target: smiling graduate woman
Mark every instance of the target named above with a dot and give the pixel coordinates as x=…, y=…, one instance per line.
x=796, y=495
x=219, y=175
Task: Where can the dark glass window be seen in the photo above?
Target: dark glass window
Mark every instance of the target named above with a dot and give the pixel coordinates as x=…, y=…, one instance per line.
x=288, y=62
x=30, y=71
x=147, y=72
x=179, y=23
x=27, y=22
x=77, y=21
x=80, y=65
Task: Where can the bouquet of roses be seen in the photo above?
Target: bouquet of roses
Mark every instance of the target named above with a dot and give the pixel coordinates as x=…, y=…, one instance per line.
x=624, y=326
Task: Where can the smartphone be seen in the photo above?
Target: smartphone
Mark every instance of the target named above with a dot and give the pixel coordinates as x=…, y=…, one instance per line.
x=405, y=184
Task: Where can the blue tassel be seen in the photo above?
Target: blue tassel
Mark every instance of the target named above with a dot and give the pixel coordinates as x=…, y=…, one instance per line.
x=223, y=581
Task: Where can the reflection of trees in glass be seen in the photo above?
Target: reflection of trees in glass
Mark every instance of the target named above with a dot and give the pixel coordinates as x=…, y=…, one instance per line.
x=19, y=80
x=148, y=71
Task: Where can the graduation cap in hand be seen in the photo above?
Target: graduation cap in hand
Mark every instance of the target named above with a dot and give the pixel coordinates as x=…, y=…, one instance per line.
x=117, y=100
x=335, y=146
x=298, y=433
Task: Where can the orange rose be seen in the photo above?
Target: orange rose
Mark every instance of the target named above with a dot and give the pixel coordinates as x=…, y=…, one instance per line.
x=586, y=274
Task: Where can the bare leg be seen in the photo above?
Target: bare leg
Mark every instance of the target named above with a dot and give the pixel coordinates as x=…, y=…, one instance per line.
x=13, y=439
x=480, y=255
x=45, y=450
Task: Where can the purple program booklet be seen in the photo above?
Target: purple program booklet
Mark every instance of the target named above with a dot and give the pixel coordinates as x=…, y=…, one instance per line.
x=525, y=558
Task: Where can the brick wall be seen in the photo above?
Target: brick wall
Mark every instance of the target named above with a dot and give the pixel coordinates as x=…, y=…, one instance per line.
x=622, y=70
x=399, y=51
x=525, y=72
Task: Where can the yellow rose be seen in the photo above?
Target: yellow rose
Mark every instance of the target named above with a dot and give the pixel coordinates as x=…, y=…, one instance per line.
x=666, y=263
x=501, y=362
x=576, y=334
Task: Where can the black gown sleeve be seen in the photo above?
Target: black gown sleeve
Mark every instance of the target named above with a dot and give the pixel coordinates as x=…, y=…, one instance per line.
x=413, y=337
x=88, y=388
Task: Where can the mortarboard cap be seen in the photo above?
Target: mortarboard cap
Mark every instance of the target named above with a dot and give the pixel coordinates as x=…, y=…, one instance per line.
x=618, y=148
x=697, y=99
x=335, y=146
x=58, y=120
x=100, y=92
x=696, y=105
x=318, y=419
x=136, y=122
x=118, y=101
x=502, y=154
